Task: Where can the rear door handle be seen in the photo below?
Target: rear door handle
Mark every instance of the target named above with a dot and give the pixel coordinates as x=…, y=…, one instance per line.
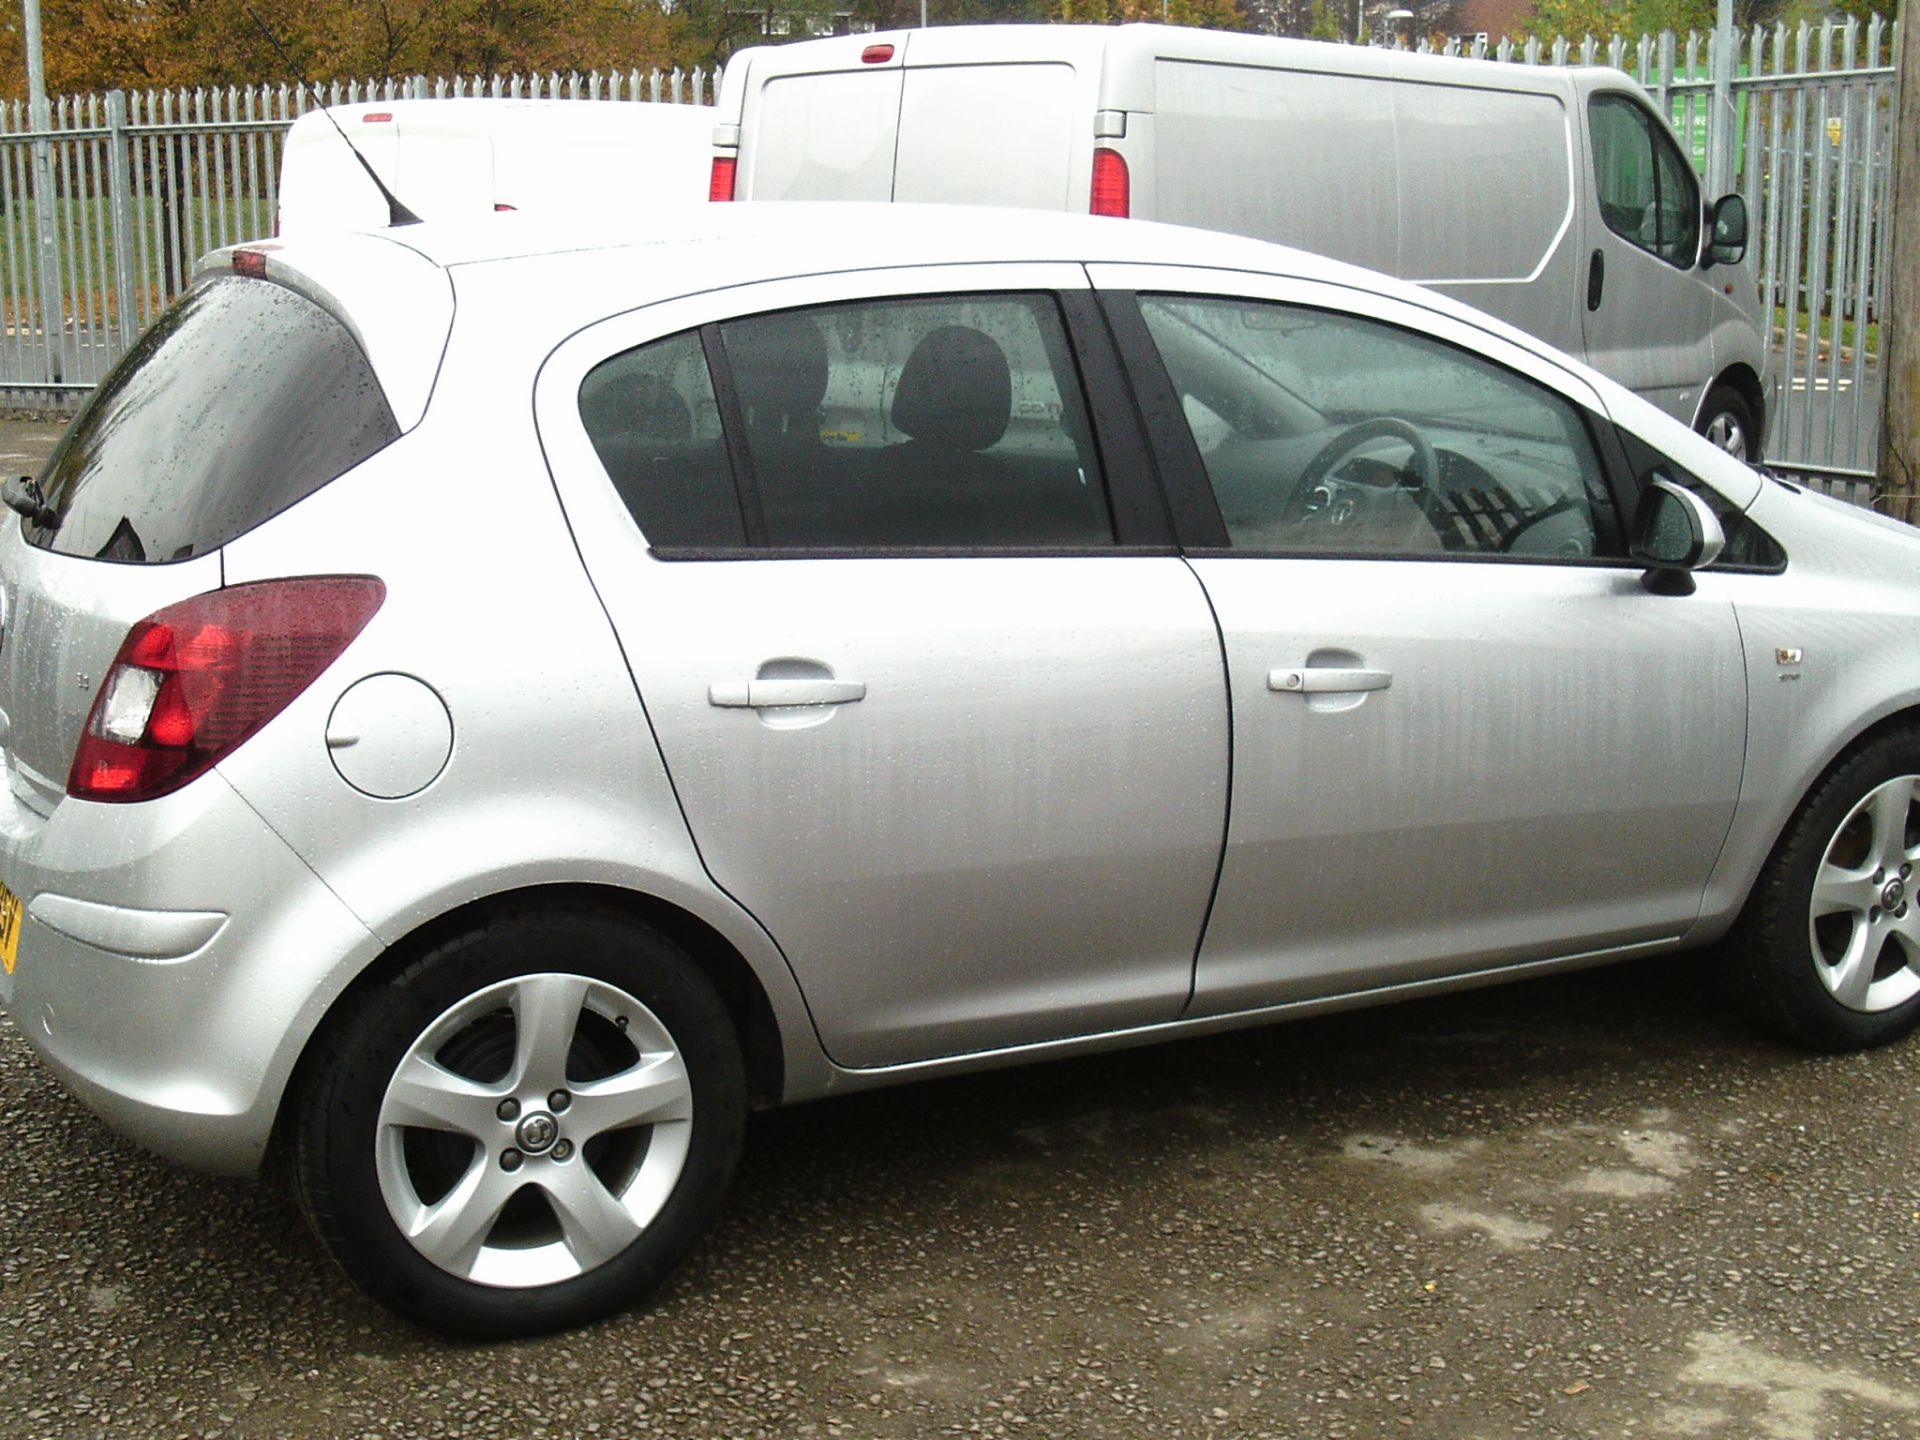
x=770, y=694
x=1316, y=680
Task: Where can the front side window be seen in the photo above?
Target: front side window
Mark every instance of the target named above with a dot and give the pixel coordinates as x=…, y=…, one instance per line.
x=1322, y=432
x=1647, y=191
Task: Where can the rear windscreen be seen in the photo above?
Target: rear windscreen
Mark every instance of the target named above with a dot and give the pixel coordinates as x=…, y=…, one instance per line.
x=241, y=399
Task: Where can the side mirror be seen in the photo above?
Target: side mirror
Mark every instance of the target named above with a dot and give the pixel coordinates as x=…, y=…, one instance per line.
x=1726, y=232
x=1674, y=532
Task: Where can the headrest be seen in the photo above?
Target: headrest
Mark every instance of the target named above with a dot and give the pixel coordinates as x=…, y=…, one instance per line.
x=779, y=364
x=955, y=389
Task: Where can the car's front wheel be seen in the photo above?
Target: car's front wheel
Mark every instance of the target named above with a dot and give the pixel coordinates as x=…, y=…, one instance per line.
x=1728, y=421
x=1827, y=952
x=527, y=1127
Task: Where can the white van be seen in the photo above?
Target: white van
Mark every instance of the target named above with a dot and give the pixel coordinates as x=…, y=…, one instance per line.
x=449, y=158
x=1554, y=198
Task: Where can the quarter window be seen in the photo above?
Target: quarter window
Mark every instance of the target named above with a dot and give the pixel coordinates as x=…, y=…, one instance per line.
x=1326, y=433
x=1647, y=190
x=653, y=421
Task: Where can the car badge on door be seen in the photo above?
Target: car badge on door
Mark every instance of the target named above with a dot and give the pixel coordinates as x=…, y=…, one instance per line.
x=84, y=681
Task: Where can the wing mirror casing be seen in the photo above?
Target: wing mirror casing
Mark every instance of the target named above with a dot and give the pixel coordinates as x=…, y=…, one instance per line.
x=1675, y=532
x=1726, y=232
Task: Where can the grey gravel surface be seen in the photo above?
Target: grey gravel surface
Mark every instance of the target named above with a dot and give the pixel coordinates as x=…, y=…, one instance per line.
x=1593, y=1206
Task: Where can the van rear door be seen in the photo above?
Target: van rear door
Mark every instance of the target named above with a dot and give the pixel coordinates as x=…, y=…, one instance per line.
x=979, y=127
x=825, y=131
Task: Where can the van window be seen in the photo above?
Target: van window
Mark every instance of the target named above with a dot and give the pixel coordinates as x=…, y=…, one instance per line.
x=1395, y=176
x=1323, y=432
x=988, y=135
x=1647, y=191
x=241, y=399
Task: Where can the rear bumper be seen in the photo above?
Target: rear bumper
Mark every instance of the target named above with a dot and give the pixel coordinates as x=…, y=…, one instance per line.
x=157, y=972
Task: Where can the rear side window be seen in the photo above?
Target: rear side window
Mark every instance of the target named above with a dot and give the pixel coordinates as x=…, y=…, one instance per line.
x=949, y=422
x=243, y=398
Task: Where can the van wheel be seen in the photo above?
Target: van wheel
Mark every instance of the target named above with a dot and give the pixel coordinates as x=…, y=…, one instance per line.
x=1827, y=952
x=526, y=1128
x=1727, y=420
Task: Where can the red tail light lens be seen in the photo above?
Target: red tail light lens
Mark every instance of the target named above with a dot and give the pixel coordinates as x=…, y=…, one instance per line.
x=720, y=186
x=193, y=681
x=1112, y=189
x=876, y=55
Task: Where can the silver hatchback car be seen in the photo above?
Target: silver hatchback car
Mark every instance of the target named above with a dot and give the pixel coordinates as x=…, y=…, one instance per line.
x=486, y=707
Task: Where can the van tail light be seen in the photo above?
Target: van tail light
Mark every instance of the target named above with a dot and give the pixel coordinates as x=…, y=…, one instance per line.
x=720, y=186
x=1112, y=193
x=193, y=681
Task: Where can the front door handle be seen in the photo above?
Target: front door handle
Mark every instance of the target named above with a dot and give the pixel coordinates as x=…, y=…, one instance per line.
x=1318, y=680
x=771, y=694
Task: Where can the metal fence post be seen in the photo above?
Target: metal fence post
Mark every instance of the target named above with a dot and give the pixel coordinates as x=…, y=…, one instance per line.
x=1723, y=124
x=120, y=211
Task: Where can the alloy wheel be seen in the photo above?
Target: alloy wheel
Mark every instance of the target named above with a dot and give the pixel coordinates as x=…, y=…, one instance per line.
x=1863, y=924
x=533, y=1130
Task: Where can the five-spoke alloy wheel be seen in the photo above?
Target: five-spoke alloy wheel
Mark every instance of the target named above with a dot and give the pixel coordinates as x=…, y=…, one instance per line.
x=1828, y=950
x=527, y=1126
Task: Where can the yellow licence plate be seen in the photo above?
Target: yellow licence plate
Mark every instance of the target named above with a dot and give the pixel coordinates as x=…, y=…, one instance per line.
x=10, y=915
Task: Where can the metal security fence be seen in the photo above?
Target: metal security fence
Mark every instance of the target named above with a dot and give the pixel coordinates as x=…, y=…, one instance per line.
x=106, y=205
x=1800, y=121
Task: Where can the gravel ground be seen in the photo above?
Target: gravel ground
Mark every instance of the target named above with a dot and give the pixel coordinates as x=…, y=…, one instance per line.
x=1594, y=1206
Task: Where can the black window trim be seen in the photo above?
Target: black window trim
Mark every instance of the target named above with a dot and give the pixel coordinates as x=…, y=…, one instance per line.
x=1628, y=482
x=1659, y=133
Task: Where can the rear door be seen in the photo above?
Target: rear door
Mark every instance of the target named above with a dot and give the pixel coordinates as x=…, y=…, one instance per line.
x=822, y=128
x=943, y=709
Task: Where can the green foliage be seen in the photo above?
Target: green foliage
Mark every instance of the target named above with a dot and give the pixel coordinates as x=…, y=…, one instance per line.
x=1324, y=26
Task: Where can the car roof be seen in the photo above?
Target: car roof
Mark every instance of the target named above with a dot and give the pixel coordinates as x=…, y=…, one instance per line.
x=688, y=249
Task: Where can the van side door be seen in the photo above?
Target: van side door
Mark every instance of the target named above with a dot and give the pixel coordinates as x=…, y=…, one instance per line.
x=1647, y=309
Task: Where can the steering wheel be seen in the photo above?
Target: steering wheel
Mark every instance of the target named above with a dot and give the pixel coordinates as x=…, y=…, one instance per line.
x=1316, y=492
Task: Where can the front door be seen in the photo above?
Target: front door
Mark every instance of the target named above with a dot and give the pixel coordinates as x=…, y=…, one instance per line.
x=1648, y=314
x=1465, y=734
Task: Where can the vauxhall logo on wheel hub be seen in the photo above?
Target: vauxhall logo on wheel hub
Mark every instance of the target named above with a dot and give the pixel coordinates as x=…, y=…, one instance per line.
x=1891, y=897
x=536, y=1133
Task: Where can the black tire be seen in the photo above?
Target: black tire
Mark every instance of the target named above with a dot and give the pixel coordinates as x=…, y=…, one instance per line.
x=1775, y=959
x=1728, y=420
x=497, y=962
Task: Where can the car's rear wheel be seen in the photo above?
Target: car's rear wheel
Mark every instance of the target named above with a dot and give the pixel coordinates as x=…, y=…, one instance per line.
x=1828, y=950
x=527, y=1127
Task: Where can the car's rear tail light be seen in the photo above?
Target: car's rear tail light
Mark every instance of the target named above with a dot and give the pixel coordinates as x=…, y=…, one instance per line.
x=1112, y=192
x=720, y=185
x=251, y=263
x=192, y=681
x=377, y=117
x=876, y=55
